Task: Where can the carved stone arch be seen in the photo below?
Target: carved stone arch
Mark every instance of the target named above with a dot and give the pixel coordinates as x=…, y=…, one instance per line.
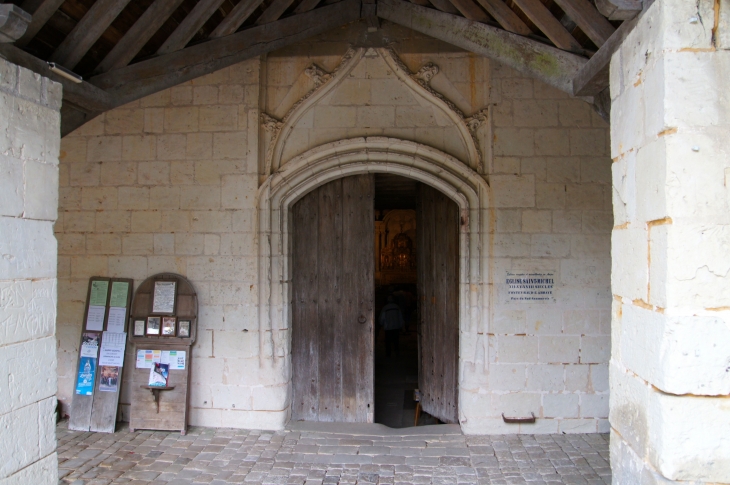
x=418, y=83
x=331, y=161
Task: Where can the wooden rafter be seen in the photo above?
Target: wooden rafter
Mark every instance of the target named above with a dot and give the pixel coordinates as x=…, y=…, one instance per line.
x=590, y=21
x=235, y=18
x=87, y=31
x=505, y=16
x=136, y=37
x=549, y=25
x=548, y=64
x=41, y=14
x=274, y=11
x=444, y=6
x=306, y=6
x=470, y=10
x=189, y=26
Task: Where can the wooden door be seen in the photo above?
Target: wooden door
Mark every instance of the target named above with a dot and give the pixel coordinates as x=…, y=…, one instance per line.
x=332, y=302
x=438, y=299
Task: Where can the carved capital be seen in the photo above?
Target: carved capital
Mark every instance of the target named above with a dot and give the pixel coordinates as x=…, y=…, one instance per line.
x=318, y=75
x=13, y=22
x=271, y=124
x=476, y=120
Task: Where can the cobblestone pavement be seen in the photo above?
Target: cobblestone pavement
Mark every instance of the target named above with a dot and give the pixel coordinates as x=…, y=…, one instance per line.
x=322, y=455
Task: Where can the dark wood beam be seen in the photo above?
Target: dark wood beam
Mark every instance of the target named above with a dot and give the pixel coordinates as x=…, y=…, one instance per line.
x=549, y=25
x=274, y=11
x=593, y=77
x=41, y=14
x=444, y=6
x=236, y=18
x=470, y=10
x=505, y=16
x=546, y=63
x=87, y=31
x=85, y=96
x=153, y=75
x=190, y=25
x=619, y=9
x=306, y=6
x=137, y=36
x=590, y=21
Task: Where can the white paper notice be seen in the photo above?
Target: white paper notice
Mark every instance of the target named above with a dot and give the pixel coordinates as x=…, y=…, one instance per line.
x=88, y=350
x=112, y=349
x=117, y=317
x=95, y=318
x=177, y=359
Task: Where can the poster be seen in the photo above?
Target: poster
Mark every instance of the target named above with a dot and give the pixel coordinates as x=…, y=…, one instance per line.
x=118, y=298
x=530, y=287
x=163, y=300
x=99, y=290
x=109, y=378
x=90, y=345
x=85, y=380
x=117, y=319
x=146, y=359
x=112, y=349
x=95, y=318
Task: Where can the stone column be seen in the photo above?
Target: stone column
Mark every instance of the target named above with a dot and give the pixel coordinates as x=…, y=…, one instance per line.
x=670, y=144
x=29, y=148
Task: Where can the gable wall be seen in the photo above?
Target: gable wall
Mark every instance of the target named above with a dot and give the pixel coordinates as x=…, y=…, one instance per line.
x=169, y=183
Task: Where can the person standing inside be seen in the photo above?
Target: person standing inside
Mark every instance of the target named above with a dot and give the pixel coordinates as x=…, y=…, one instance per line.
x=391, y=319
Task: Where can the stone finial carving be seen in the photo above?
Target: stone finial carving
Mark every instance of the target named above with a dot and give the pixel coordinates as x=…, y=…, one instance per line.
x=13, y=22
x=318, y=75
x=426, y=73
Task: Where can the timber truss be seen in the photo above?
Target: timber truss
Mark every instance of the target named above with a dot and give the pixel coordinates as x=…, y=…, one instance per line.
x=107, y=53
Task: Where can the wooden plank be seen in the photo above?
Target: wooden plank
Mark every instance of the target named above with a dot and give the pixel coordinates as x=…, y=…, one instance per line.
x=423, y=3
x=274, y=11
x=549, y=25
x=235, y=18
x=87, y=31
x=305, y=319
x=84, y=95
x=148, y=77
x=506, y=17
x=41, y=14
x=306, y=6
x=593, y=77
x=444, y=6
x=590, y=21
x=470, y=10
x=546, y=63
x=620, y=9
x=136, y=37
x=189, y=26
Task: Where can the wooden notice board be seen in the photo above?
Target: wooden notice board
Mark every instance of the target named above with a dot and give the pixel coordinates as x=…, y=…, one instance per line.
x=162, y=328
x=97, y=387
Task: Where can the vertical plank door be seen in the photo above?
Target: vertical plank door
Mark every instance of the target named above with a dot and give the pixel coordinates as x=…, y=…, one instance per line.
x=332, y=302
x=438, y=300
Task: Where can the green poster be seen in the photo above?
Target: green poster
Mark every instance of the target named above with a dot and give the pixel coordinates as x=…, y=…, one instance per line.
x=119, y=294
x=98, y=293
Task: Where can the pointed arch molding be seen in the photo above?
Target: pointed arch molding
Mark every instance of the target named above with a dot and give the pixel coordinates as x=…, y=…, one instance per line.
x=354, y=156
x=324, y=83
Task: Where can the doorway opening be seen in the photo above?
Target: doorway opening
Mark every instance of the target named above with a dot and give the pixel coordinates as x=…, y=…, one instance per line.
x=400, y=354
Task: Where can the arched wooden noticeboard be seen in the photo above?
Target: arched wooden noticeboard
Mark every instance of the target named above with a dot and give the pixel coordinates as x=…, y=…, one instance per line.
x=162, y=328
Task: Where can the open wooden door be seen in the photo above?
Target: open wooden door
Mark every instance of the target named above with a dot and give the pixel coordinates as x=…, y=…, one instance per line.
x=332, y=302
x=438, y=300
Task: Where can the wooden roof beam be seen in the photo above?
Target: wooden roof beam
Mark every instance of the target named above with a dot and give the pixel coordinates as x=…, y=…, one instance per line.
x=153, y=75
x=505, y=16
x=41, y=14
x=274, y=11
x=590, y=21
x=236, y=18
x=306, y=6
x=470, y=10
x=190, y=25
x=549, y=25
x=594, y=76
x=87, y=31
x=444, y=6
x=137, y=36
x=546, y=63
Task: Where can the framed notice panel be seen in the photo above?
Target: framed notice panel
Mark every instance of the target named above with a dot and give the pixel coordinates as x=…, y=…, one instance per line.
x=102, y=347
x=162, y=330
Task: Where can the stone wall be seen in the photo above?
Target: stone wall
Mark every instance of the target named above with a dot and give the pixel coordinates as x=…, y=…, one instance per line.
x=670, y=374
x=170, y=183
x=29, y=144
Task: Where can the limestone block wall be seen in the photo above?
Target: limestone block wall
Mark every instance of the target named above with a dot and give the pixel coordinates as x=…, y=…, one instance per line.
x=170, y=183
x=669, y=372
x=551, y=199
x=29, y=144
